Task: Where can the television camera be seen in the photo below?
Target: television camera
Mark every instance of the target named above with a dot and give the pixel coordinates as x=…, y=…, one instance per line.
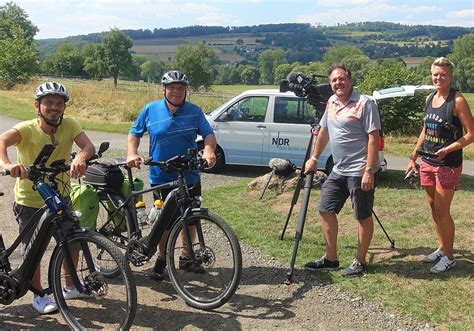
x=317, y=94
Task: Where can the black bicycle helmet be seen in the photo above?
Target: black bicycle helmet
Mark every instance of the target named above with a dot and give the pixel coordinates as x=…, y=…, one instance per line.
x=174, y=76
x=51, y=88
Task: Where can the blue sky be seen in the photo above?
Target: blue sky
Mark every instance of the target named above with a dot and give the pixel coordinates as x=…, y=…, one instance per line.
x=62, y=18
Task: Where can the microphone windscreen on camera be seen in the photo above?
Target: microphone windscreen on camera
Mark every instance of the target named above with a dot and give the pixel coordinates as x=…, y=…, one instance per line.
x=278, y=164
x=292, y=77
x=282, y=167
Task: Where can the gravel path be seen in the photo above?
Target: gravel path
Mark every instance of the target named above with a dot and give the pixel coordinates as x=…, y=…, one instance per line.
x=261, y=301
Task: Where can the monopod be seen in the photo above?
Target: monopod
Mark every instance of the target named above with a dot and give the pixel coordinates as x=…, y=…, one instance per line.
x=307, y=180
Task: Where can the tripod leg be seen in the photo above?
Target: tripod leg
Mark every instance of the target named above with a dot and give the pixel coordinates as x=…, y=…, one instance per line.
x=294, y=200
x=392, y=242
x=300, y=225
x=266, y=185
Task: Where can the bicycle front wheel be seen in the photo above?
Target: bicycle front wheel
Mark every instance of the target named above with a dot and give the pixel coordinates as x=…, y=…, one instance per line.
x=212, y=278
x=103, y=302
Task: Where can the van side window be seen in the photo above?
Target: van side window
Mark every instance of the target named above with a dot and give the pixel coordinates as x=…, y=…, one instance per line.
x=252, y=109
x=292, y=110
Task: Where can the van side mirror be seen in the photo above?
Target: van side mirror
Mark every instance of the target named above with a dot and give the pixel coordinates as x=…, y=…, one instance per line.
x=226, y=117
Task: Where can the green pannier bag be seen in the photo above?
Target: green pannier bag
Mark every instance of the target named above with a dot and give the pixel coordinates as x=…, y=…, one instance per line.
x=86, y=200
x=125, y=189
x=119, y=217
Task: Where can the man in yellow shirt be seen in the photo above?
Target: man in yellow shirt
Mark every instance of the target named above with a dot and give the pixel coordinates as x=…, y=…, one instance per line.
x=29, y=137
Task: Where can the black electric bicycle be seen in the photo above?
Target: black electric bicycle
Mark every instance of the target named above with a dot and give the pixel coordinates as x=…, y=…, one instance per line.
x=212, y=244
x=74, y=260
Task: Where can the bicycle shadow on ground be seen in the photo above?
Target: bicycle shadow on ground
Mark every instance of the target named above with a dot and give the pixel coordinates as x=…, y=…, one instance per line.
x=253, y=300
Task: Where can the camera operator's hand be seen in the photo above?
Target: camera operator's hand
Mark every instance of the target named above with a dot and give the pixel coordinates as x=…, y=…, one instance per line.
x=368, y=181
x=310, y=166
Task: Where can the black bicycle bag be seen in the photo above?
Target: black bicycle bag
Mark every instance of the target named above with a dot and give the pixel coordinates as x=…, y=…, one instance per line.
x=104, y=175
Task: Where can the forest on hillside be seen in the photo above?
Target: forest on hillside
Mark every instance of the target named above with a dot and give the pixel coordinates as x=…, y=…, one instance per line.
x=303, y=42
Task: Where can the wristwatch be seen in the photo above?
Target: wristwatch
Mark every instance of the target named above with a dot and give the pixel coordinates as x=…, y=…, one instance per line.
x=370, y=170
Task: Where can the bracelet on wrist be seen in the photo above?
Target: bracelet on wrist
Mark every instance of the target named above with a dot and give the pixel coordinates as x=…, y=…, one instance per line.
x=314, y=158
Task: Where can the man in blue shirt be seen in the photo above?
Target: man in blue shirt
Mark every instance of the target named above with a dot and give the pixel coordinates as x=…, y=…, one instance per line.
x=172, y=124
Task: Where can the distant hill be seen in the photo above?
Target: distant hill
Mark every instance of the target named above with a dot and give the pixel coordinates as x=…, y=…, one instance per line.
x=301, y=42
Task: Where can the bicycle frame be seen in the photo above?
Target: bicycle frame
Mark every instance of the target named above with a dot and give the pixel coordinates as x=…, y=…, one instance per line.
x=185, y=203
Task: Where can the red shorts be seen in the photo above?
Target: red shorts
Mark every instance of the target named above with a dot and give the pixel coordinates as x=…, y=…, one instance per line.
x=439, y=176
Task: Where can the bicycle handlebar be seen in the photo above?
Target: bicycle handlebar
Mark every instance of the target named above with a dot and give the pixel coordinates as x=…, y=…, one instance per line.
x=177, y=163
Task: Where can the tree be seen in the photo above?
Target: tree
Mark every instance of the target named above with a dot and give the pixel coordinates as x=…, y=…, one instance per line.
x=18, y=49
x=424, y=70
x=464, y=63
x=134, y=71
x=66, y=60
x=94, y=60
x=249, y=75
x=267, y=63
x=152, y=71
x=282, y=71
x=359, y=65
x=117, y=56
x=338, y=53
x=196, y=62
x=226, y=75
x=399, y=115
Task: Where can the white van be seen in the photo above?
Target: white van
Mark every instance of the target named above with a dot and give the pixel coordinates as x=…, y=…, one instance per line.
x=258, y=125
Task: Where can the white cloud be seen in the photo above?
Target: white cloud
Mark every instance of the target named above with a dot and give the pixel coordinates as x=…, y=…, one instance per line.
x=465, y=14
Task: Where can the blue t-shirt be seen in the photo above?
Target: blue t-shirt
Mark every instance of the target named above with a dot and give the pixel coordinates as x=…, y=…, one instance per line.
x=349, y=127
x=170, y=135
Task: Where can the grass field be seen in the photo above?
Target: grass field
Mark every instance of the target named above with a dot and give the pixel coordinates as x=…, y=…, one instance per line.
x=396, y=279
x=164, y=49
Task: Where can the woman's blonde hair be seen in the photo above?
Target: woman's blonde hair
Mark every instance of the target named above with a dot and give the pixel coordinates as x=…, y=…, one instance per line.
x=444, y=62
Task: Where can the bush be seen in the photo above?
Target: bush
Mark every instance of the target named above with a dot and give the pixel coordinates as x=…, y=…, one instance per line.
x=401, y=116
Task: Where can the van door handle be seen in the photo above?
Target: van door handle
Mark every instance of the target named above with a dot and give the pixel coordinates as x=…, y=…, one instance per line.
x=261, y=126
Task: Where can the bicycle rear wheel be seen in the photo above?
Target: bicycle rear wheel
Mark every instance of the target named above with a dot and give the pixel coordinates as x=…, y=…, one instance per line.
x=106, y=303
x=218, y=259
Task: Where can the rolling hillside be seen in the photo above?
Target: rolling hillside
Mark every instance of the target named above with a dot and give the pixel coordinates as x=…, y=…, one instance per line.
x=301, y=42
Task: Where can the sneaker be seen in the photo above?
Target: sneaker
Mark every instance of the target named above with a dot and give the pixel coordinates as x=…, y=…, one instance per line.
x=322, y=263
x=158, y=272
x=44, y=305
x=355, y=269
x=434, y=257
x=70, y=292
x=443, y=265
x=185, y=263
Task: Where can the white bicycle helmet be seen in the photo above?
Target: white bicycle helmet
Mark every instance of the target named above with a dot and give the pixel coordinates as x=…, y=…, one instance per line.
x=51, y=88
x=174, y=76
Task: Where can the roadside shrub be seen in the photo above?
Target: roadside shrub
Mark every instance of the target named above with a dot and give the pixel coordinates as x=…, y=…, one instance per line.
x=401, y=116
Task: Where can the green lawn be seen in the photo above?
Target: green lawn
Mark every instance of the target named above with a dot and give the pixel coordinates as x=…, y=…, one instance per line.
x=396, y=279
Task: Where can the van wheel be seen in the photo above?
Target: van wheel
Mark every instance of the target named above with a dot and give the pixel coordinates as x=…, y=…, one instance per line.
x=329, y=166
x=220, y=159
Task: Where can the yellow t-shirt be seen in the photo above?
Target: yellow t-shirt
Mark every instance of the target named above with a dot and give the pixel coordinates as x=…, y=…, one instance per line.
x=33, y=138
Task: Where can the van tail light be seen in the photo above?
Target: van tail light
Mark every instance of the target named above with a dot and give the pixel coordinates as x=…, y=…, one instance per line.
x=381, y=143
